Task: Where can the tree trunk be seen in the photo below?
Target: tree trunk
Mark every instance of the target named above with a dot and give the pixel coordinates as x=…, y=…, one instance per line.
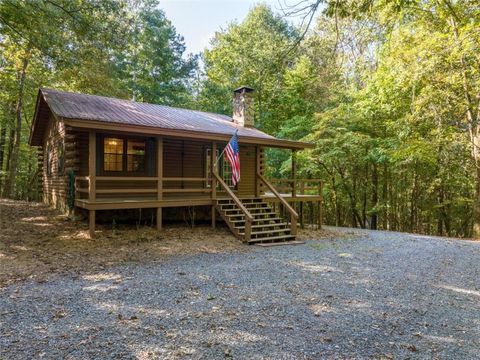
x=392, y=221
x=11, y=140
x=356, y=219
x=373, y=224
x=385, y=197
x=440, y=211
x=364, y=199
x=335, y=202
x=413, y=203
x=476, y=205
x=3, y=137
x=9, y=189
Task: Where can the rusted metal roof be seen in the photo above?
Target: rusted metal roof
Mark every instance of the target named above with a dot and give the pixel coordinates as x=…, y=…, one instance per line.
x=91, y=107
x=117, y=112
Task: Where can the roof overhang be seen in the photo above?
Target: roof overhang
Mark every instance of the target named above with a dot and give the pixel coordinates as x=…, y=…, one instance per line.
x=37, y=127
x=199, y=135
x=43, y=112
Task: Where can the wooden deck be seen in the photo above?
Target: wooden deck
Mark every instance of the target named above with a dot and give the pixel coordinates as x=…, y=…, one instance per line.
x=110, y=193
x=158, y=192
x=143, y=202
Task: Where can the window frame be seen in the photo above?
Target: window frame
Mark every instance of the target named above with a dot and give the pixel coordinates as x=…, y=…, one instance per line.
x=114, y=155
x=226, y=172
x=222, y=163
x=124, y=171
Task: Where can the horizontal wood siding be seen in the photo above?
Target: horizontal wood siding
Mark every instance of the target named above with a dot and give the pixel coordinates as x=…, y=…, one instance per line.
x=184, y=158
x=262, y=169
x=246, y=186
x=55, y=182
x=81, y=146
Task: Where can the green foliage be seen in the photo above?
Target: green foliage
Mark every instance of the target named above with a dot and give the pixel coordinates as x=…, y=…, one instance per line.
x=379, y=87
x=251, y=53
x=394, y=150
x=152, y=67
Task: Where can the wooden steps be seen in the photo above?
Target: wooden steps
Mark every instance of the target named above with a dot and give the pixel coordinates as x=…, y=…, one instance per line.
x=266, y=225
x=260, y=225
x=273, y=239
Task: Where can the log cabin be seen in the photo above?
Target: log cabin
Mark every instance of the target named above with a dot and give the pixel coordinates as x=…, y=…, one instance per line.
x=101, y=154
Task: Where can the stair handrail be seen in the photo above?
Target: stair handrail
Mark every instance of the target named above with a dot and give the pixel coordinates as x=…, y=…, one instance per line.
x=243, y=209
x=290, y=209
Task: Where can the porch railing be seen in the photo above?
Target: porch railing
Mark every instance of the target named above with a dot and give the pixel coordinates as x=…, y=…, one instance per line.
x=243, y=209
x=298, y=186
x=293, y=214
x=159, y=188
x=144, y=185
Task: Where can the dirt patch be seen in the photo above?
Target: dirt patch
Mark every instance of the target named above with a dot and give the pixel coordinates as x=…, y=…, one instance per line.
x=36, y=242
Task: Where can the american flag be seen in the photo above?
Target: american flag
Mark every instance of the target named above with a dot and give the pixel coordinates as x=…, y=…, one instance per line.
x=233, y=155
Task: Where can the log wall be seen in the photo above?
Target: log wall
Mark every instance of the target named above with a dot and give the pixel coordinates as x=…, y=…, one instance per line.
x=55, y=183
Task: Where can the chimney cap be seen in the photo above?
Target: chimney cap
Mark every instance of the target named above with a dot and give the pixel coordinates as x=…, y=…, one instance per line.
x=244, y=89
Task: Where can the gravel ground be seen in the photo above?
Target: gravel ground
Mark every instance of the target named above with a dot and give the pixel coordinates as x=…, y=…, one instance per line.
x=359, y=295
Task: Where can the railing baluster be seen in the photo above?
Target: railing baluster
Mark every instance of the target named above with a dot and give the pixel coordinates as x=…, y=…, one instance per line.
x=243, y=209
x=286, y=205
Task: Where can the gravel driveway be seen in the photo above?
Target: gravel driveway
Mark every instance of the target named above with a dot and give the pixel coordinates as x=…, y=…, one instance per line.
x=359, y=295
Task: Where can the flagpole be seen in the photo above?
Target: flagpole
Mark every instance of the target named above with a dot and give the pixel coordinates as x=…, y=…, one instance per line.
x=219, y=156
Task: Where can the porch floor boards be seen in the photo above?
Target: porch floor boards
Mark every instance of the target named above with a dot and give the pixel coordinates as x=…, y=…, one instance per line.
x=105, y=203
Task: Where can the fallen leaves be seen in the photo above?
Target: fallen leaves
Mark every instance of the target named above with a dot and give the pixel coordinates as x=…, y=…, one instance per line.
x=28, y=251
x=37, y=242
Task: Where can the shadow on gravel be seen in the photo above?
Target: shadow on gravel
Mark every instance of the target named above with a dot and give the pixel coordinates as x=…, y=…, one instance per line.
x=376, y=296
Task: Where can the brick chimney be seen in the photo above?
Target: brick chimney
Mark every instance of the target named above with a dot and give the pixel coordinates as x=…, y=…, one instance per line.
x=243, y=107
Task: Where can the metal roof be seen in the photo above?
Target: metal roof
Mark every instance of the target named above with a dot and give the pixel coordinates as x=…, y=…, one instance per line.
x=91, y=107
x=122, y=115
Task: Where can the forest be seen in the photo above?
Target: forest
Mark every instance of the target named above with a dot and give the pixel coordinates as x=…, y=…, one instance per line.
x=388, y=91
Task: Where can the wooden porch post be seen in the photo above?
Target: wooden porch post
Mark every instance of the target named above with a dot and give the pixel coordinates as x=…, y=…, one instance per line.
x=159, y=180
x=294, y=173
x=92, y=166
x=301, y=215
x=213, y=184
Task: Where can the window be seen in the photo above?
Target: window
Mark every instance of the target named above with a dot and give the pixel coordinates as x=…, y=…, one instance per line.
x=227, y=173
x=224, y=168
x=123, y=155
x=112, y=154
x=135, y=156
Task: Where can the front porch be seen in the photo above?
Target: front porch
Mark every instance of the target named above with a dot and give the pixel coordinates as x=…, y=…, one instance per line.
x=186, y=173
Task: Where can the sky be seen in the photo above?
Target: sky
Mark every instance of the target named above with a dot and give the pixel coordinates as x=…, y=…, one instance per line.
x=197, y=20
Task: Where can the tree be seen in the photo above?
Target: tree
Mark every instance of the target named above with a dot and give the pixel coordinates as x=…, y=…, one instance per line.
x=152, y=69
x=29, y=32
x=250, y=53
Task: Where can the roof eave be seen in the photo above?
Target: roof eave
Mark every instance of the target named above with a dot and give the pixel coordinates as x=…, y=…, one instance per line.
x=34, y=120
x=142, y=129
